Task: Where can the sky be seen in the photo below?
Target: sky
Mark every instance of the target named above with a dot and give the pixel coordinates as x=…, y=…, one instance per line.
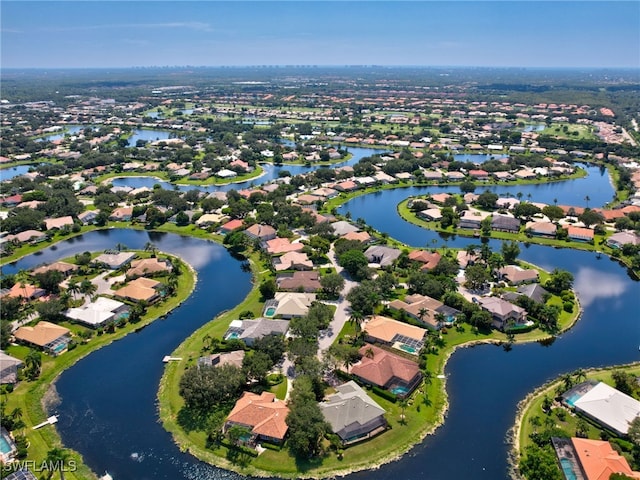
x=80, y=34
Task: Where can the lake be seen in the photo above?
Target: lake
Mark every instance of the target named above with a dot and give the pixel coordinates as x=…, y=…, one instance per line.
x=148, y=136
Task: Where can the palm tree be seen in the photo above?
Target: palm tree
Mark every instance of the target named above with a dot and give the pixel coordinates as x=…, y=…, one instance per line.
x=555, y=201
x=33, y=361
x=369, y=353
x=567, y=380
x=586, y=199
x=440, y=319
x=73, y=287
x=580, y=375
x=403, y=405
x=87, y=288
x=150, y=247
x=423, y=312
x=357, y=318
x=57, y=457
x=120, y=247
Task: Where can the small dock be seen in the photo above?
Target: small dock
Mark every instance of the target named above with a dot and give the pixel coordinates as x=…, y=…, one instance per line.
x=106, y=476
x=167, y=359
x=50, y=421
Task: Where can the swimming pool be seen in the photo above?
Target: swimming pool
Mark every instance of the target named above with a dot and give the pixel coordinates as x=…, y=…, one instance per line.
x=233, y=336
x=5, y=446
x=407, y=348
x=574, y=398
x=270, y=311
x=567, y=468
x=399, y=390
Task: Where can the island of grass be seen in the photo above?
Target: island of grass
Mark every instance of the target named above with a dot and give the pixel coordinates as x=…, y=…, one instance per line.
x=24, y=405
x=199, y=432
x=545, y=414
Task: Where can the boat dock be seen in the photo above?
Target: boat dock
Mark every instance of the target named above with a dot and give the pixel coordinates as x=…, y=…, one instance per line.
x=50, y=421
x=167, y=359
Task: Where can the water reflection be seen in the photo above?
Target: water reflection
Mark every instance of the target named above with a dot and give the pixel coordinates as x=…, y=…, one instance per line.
x=593, y=284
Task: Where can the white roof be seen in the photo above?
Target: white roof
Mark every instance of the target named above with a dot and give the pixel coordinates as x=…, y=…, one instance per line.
x=609, y=406
x=95, y=313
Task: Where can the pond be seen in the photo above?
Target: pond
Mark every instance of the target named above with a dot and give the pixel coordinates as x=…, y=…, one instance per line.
x=148, y=136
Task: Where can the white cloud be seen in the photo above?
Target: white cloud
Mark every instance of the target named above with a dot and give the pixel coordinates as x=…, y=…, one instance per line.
x=592, y=284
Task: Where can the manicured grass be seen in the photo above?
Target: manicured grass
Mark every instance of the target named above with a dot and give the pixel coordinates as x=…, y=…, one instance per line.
x=29, y=396
x=532, y=406
x=573, y=131
x=162, y=175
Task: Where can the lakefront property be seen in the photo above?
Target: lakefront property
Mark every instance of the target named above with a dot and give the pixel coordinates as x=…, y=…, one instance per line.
x=330, y=356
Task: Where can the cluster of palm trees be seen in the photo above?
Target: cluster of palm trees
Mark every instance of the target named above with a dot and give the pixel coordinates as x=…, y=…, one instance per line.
x=85, y=287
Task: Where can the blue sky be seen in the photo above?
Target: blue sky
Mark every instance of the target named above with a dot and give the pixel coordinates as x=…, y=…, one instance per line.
x=55, y=34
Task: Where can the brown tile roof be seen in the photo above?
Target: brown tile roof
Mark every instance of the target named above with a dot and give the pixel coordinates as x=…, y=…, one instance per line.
x=282, y=245
x=42, y=334
x=146, y=266
x=385, y=329
x=429, y=259
x=25, y=290
x=263, y=413
x=63, y=267
x=139, y=289
x=383, y=367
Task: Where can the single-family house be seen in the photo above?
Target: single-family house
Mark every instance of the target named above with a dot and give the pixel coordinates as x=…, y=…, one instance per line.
x=58, y=223
x=88, y=217
x=431, y=312
x=503, y=312
x=114, y=259
x=25, y=291
x=121, y=214
x=363, y=237
x=148, y=266
x=617, y=240
x=342, y=227
x=382, y=255
x=352, y=414
x=264, y=415
x=429, y=260
x=98, y=313
x=395, y=334
x=277, y=246
x=392, y=372
x=580, y=234
x=597, y=460
x=472, y=219
x=261, y=232
x=531, y=290
x=33, y=236
x=230, y=226
x=225, y=358
x=307, y=281
x=9, y=368
x=346, y=186
x=209, y=219
x=293, y=304
x=292, y=261
x=431, y=214
x=541, y=229
x=51, y=338
x=139, y=290
x=516, y=275
x=63, y=267
x=503, y=223
x=251, y=330
x=479, y=174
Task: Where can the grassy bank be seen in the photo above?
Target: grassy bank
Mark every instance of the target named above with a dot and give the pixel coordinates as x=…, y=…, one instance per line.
x=30, y=396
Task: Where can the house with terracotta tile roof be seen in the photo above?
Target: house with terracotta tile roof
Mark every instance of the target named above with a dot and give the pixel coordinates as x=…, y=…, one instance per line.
x=292, y=261
x=140, y=289
x=580, y=234
x=26, y=291
x=308, y=281
x=542, y=229
x=148, y=266
x=261, y=232
x=379, y=367
x=264, y=415
x=429, y=260
x=58, y=223
x=63, y=267
x=346, y=186
x=395, y=334
x=425, y=309
x=598, y=460
x=479, y=174
x=230, y=226
x=277, y=246
x=47, y=336
x=33, y=236
x=363, y=237
x=122, y=214
x=352, y=414
x=516, y=275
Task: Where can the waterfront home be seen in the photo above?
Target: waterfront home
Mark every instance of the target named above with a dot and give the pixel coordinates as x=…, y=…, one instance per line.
x=278, y=245
x=363, y=237
x=226, y=173
x=9, y=368
x=63, y=267
x=11, y=201
x=98, y=313
x=516, y=275
x=251, y=330
x=465, y=258
x=308, y=281
x=148, y=266
x=292, y=261
x=58, y=223
x=455, y=176
x=431, y=214
x=507, y=202
x=341, y=228
x=541, y=229
x=503, y=223
x=440, y=198
x=598, y=460
x=617, y=240
x=261, y=232
x=580, y=234
x=209, y=219
x=51, y=338
x=25, y=291
x=114, y=259
x=525, y=174
x=429, y=260
x=33, y=236
x=230, y=226
x=219, y=359
x=605, y=405
x=503, y=312
x=352, y=414
x=471, y=219
x=140, y=290
x=88, y=217
x=381, y=255
x=395, y=334
x=346, y=186
x=264, y=415
x=391, y=372
x=425, y=309
x=479, y=175
x=293, y=304
x=532, y=290
x=121, y=214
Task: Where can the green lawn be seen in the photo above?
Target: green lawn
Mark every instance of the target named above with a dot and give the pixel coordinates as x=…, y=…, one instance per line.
x=29, y=395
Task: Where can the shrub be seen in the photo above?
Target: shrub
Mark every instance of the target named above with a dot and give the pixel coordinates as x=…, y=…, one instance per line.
x=567, y=307
x=392, y=397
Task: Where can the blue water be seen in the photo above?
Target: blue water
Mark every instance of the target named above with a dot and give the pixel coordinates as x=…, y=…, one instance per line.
x=567, y=468
x=5, y=446
x=270, y=312
x=573, y=399
x=9, y=173
x=399, y=390
x=148, y=136
x=70, y=130
x=478, y=157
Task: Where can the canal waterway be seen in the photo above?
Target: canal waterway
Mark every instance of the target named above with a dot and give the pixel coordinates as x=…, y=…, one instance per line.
x=108, y=410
